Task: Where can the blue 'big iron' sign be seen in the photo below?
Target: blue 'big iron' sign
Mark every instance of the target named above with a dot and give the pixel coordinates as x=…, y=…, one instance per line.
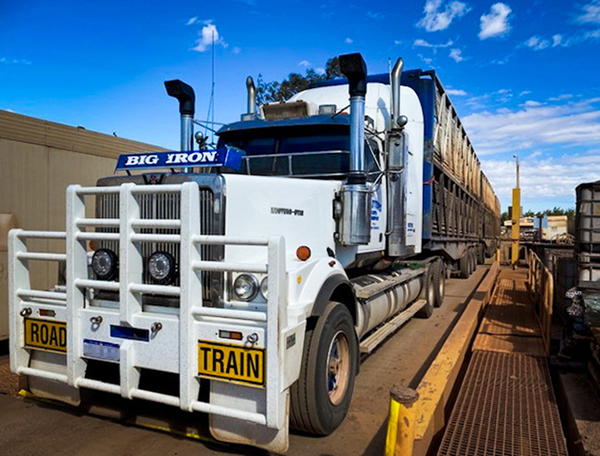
x=230, y=158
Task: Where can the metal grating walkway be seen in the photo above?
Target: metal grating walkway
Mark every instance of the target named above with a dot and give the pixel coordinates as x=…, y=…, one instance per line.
x=506, y=405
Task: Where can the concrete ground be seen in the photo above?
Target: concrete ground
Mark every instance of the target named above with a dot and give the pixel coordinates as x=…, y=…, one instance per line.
x=584, y=406
x=31, y=427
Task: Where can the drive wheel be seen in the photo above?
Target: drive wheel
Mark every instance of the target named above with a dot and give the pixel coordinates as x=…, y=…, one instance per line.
x=321, y=397
x=473, y=257
x=439, y=281
x=427, y=293
x=480, y=254
x=465, y=264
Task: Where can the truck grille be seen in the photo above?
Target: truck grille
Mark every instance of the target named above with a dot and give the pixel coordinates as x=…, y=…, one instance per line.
x=167, y=206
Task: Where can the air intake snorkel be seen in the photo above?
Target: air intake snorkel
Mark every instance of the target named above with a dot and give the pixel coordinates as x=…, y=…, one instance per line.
x=185, y=95
x=355, y=224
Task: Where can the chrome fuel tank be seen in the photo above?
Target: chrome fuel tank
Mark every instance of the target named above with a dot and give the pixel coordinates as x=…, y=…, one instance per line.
x=374, y=311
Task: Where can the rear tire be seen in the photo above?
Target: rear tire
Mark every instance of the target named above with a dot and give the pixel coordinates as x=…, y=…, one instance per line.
x=428, y=293
x=480, y=254
x=465, y=265
x=439, y=282
x=473, y=259
x=321, y=397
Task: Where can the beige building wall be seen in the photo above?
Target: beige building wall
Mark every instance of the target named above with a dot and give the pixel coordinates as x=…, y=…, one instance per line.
x=38, y=159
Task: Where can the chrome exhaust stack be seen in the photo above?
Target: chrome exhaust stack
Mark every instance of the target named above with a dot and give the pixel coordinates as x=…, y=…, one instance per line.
x=187, y=99
x=395, y=79
x=397, y=156
x=251, y=97
x=355, y=223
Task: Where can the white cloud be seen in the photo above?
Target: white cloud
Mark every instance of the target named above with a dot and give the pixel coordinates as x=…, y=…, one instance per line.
x=397, y=42
x=525, y=92
x=320, y=71
x=208, y=35
x=456, y=55
x=537, y=189
x=236, y=50
x=427, y=60
x=557, y=40
x=532, y=103
x=590, y=13
x=566, y=96
x=375, y=15
x=570, y=124
x=456, y=92
x=304, y=63
x=348, y=41
x=496, y=22
x=591, y=35
x=192, y=20
x=6, y=61
x=536, y=43
x=422, y=43
x=436, y=20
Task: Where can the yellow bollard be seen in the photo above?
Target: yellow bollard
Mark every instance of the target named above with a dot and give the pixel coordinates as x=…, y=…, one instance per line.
x=401, y=422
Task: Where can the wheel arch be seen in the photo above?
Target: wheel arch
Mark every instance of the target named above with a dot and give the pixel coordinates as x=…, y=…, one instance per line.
x=335, y=288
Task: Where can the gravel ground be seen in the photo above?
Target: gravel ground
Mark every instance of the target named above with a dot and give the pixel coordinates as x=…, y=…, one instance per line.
x=9, y=383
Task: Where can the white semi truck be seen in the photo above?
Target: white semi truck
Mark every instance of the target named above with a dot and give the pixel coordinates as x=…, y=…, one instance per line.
x=245, y=282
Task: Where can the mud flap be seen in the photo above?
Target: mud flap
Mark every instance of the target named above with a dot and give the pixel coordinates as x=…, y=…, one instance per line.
x=50, y=389
x=242, y=432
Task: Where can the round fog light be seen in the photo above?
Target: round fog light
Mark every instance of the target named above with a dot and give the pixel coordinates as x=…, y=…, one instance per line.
x=105, y=264
x=264, y=288
x=245, y=287
x=161, y=267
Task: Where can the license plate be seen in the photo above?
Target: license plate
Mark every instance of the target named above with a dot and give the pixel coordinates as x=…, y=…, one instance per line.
x=231, y=362
x=49, y=335
x=98, y=349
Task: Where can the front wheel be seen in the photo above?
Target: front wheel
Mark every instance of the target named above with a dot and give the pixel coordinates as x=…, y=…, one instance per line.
x=321, y=397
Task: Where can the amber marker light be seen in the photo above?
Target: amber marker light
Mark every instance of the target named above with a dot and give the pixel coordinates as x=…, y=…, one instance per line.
x=303, y=253
x=233, y=335
x=47, y=313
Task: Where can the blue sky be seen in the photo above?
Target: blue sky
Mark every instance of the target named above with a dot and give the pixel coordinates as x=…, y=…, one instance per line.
x=523, y=75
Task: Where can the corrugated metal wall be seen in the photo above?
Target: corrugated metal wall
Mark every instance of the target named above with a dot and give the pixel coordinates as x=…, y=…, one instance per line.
x=38, y=159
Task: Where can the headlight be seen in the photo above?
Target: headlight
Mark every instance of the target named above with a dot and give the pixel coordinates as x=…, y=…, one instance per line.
x=264, y=288
x=105, y=264
x=161, y=266
x=245, y=287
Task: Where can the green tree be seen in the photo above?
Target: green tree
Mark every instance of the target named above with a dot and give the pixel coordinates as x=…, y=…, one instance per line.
x=275, y=91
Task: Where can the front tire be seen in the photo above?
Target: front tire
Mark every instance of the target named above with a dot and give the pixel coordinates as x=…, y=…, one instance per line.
x=321, y=397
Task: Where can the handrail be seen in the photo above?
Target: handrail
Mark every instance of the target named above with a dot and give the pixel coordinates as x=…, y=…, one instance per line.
x=541, y=288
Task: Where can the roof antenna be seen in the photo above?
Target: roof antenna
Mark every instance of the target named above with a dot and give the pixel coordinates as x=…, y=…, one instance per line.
x=211, y=105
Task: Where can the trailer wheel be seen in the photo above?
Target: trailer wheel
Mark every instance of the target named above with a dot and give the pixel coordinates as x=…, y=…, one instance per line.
x=427, y=293
x=473, y=259
x=465, y=264
x=321, y=397
x=439, y=281
x=480, y=254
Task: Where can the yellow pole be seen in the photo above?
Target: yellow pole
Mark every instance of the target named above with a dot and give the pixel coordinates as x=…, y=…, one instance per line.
x=516, y=224
x=401, y=422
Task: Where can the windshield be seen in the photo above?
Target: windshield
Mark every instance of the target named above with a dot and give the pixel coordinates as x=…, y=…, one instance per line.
x=315, y=154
